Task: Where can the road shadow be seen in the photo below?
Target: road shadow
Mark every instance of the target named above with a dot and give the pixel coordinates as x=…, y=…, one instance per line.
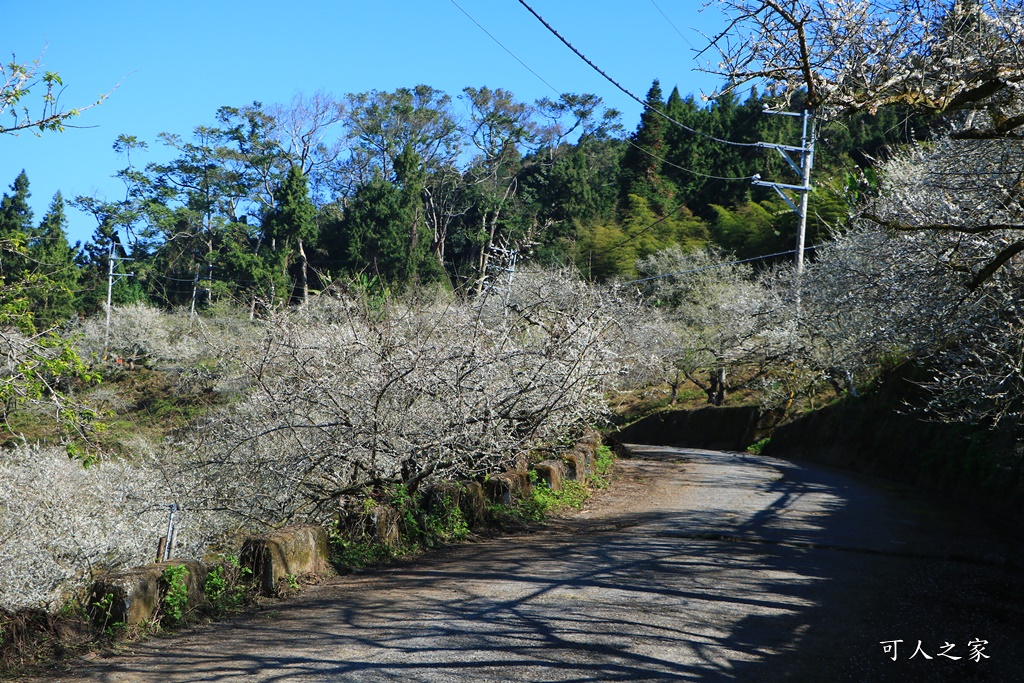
x=763, y=570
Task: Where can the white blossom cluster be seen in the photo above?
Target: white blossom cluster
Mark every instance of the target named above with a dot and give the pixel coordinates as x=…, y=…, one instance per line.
x=960, y=202
x=715, y=308
x=333, y=397
x=345, y=397
x=871, y=296
x=871, y=293
x=143, y=335
x=978, y=372
x=61, y=523
x=846, y=56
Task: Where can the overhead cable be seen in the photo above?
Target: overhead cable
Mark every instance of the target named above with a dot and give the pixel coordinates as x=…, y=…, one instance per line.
x=673, y=25
x=502, y=46
x=714, y=266
x=621, y=87
x=677, y=166
x=557, y=92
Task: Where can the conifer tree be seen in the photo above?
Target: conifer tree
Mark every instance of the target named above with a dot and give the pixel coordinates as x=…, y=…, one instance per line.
x=291, y=226
x=373, y=234
x=52, y=260
x=642, y=162
x=690, y=155
x=421, y=265
x=15, y=230
x=40, y=362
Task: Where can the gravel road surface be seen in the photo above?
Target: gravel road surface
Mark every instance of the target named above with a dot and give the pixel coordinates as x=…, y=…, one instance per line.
x=695, y=566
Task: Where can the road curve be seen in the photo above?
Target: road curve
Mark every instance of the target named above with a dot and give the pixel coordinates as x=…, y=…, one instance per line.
x=696, y=566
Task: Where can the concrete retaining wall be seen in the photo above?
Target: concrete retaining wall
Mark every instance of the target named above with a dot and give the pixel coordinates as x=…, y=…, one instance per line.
x=731, y=429
x=951, y=460
x=867, y=435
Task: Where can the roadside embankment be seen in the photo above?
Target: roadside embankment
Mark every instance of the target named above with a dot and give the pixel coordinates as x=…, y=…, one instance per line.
x=970, y=464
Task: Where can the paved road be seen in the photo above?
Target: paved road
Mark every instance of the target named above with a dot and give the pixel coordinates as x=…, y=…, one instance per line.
x=697, y=566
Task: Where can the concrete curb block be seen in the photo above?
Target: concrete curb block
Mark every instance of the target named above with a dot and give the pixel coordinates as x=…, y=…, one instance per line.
x=133, y=596
x=466, y=496
x=505, y=487
x=580, y=464
x=292, y=551
x=552, y=472
x=473, y=503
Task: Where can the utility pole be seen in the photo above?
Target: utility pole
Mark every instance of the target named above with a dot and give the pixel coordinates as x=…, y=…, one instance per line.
x=195, y=289
x=511, y=257
x=803, y=169
x=111, y=276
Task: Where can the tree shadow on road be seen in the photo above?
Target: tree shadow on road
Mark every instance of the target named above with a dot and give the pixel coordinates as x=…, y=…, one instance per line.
x=774, y=572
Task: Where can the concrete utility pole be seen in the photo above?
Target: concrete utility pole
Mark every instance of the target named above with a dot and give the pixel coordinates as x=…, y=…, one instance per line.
x=111, y=276
x=511, y=257
x=803, y=169
x=195, y=290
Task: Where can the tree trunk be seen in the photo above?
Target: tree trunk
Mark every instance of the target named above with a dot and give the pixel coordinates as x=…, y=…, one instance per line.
x=717, y=395
x=675, y=384
x=414, y=238
x=484, y=256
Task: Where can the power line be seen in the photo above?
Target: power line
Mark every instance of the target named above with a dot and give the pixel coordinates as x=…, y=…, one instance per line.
x=685, y=170
x=500, y=44
x=608, y=250
x=556, y=91
x=174, y=279
x=621, y=87
x=713, y=267
x=673, y=25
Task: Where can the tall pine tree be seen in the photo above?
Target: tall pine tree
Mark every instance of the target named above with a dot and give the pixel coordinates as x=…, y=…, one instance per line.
x=52, y=260
x=291, y=227
x=642, y=162
x=15, y=231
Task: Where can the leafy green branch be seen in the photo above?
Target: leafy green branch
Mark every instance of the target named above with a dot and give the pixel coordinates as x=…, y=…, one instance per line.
x=41, y=368
x=22, y=79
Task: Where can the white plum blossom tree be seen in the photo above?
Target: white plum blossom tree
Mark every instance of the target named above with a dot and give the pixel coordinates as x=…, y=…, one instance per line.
x=715, y=306
x=846, y=56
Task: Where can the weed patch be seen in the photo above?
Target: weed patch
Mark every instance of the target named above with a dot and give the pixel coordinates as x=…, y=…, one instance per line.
x=757, y=448
x=545, y=501
x=229, y=586
x=446, y=523
x=174, y=603
x=347, y=554
x=604, y=458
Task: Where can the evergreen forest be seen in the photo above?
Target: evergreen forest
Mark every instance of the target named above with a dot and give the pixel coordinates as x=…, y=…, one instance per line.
x=386, y=190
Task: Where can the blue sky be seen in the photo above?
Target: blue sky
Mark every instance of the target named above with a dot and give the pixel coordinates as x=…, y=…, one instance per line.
x=178, y=62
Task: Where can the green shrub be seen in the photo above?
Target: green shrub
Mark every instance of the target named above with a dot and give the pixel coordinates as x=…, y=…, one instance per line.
x=545, y=500
x=604, y=459
x=446, y=525
x=175, y=598
x=758, y=447
x=229, y=586
x=349, y=554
